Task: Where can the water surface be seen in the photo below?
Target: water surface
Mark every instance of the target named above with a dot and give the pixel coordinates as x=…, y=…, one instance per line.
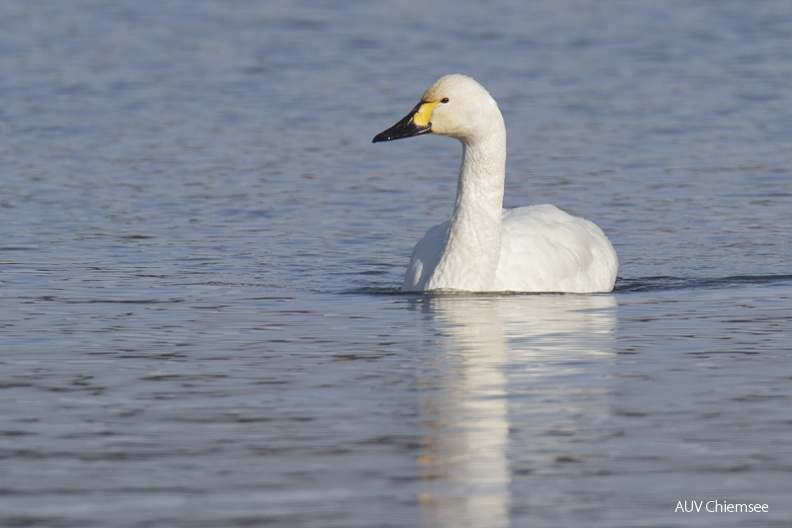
x=201, y=251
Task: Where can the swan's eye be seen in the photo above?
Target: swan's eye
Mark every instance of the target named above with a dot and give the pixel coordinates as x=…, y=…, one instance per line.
x=444, y=100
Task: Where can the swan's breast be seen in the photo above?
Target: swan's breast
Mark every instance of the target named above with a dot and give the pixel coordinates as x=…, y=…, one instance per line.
x=425, y=258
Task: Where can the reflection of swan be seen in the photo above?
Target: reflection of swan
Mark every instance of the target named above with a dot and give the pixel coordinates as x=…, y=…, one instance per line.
x=466, y=445
x=483, y=247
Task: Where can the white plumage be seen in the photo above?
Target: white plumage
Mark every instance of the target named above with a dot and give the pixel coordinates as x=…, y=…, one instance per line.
x=483, y=247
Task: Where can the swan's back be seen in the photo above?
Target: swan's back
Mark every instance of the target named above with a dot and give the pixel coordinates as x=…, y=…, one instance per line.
x=544, y=249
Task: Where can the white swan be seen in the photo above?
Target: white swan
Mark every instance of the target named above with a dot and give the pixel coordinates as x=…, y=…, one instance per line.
x=483, y=247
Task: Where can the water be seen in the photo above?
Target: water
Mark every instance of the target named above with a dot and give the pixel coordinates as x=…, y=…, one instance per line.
x=201, y=250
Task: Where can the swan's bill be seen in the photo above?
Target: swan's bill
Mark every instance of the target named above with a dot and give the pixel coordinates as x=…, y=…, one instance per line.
x=417, y=122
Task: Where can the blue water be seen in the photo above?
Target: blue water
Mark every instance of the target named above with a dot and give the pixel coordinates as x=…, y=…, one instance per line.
x=201, y=250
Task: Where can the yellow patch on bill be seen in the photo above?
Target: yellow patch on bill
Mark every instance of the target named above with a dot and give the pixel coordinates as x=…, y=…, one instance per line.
x=424, y=114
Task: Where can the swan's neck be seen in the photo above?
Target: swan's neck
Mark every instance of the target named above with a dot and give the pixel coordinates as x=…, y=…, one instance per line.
x=472, y=246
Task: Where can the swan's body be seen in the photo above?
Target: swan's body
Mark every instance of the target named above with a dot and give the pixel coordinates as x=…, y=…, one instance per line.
x=484, y=247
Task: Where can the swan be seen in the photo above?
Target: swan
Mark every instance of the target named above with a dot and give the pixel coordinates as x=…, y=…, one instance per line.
x=483, y=247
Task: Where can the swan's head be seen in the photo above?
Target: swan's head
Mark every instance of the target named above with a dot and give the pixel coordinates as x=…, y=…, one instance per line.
x=455, y=105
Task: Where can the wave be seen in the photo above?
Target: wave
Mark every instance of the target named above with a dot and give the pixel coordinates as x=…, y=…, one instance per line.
x=665, y=283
